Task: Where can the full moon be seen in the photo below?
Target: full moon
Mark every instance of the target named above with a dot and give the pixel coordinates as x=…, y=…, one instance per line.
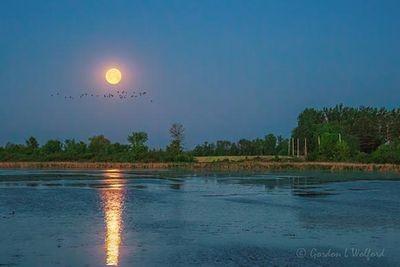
x=113, y=76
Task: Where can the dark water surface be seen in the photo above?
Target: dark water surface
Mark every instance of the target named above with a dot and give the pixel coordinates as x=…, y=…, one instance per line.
x=98, y=218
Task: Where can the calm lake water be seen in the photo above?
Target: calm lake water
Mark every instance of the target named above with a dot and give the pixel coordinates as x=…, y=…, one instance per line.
x=164, y=218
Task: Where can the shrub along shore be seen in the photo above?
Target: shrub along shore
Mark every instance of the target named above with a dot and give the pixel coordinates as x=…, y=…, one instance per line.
x=251, y=165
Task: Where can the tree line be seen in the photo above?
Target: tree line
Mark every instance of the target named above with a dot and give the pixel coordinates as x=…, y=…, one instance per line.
x=343, y=133
x=338, y=133
x=99, y=148
x=269, y=145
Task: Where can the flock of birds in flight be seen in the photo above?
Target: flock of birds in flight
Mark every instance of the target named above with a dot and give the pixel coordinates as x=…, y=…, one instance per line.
x=118, y=95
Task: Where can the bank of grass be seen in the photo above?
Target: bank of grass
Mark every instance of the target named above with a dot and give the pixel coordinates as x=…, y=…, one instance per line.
x=208, y=159
x=246, y=165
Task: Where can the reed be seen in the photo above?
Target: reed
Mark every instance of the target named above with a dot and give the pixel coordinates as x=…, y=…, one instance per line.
x=251, y=165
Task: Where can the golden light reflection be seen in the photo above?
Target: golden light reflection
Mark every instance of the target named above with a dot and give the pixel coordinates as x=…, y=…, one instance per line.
x=113, y=173
x=113, y=202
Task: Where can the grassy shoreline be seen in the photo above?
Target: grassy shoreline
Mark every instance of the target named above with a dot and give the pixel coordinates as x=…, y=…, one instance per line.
x=250, y=165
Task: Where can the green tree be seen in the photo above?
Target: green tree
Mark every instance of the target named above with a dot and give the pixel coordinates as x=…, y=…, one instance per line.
x=387, y=153
x=307, y=124
x=52, y=147
x=282, y=146
x=333, y=146
x=245, y=147
x=222, y=148
x=75, y=149
x=270, y=142
x=138, y=144
x=341, y=151
x=32, y=144
x=98, y=144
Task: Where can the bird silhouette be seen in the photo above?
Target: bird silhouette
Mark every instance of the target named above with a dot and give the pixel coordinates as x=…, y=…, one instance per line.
x=120, y=94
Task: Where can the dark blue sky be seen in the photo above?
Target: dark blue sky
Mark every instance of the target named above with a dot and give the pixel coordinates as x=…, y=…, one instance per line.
x=224, y=69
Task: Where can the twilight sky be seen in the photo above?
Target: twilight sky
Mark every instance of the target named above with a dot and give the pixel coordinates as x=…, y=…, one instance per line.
x=224, y=69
